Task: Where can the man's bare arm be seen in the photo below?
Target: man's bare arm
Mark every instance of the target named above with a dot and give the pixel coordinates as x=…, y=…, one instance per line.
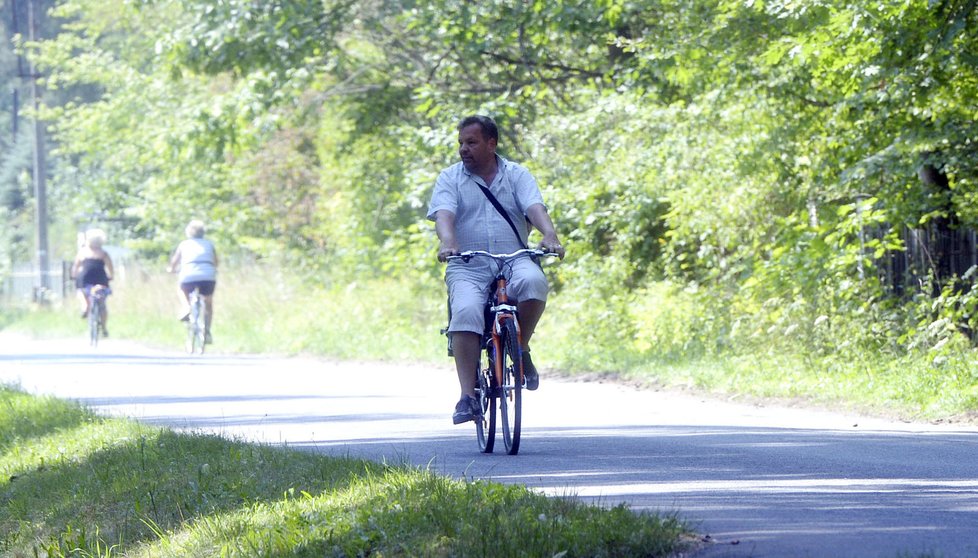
x=445, y=229
x=540, y=218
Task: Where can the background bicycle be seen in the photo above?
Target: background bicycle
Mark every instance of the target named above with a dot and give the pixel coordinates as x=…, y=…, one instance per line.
x=196, y=323
x=97, y=312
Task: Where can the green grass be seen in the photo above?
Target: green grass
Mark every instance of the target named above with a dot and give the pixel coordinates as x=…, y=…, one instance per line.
x=664, y=338
x=75, y=484
x=658, y=337
x=263, y=311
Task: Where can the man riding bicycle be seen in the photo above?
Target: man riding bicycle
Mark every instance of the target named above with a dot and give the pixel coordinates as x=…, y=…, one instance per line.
x=485, y=202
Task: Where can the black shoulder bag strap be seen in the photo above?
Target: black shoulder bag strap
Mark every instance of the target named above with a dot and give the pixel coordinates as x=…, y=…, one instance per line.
x=495, y=203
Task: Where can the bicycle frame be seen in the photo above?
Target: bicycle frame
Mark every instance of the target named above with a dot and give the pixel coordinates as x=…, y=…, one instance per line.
x=502, y=312
x=503, y=379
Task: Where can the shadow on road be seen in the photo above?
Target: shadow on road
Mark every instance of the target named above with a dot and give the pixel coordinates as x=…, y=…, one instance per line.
x=759, y=483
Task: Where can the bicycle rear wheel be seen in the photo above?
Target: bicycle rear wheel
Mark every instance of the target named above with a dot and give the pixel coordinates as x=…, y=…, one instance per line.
x=199, y=339
x=485, y=426
x=511, y=390
x=195, y=327
x=94, y=319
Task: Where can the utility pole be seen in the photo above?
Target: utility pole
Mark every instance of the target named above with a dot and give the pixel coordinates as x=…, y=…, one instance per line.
x=14, y=28
x=14, y=129
x=40, y=171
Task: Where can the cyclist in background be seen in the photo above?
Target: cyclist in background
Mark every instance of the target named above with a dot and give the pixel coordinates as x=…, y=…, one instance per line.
x=92, y=268
x=196, y=260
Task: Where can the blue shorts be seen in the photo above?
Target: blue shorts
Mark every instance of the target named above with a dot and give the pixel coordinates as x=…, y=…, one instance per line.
x=206, y=287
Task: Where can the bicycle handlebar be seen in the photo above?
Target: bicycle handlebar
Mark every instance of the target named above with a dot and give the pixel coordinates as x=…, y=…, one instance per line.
x=468, y=254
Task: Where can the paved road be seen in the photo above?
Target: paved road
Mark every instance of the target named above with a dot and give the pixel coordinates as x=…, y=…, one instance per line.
x=760, y=481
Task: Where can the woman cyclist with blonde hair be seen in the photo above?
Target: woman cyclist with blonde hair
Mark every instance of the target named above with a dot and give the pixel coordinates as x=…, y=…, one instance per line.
x=196, y=260
x=92, y=269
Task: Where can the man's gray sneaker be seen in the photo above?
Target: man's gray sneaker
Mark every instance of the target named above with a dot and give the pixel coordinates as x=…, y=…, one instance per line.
x=530, y=372
x=466, y=409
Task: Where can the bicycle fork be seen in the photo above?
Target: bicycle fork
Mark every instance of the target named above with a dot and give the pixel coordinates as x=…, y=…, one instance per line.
x=504, y=311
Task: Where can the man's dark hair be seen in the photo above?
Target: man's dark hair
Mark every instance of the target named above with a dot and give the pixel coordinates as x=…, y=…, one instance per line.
x=488, y=126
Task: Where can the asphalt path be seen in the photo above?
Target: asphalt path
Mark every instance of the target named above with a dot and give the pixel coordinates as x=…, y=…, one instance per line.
x=759, y=481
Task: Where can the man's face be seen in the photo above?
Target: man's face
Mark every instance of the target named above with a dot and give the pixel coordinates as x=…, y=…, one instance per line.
x=474, y=149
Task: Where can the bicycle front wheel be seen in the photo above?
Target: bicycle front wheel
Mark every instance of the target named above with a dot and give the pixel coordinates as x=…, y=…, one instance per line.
x=485, y=426
x=511, y=390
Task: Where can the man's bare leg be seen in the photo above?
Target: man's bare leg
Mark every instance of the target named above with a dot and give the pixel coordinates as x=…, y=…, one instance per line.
x=465, y=345
x=530, y=312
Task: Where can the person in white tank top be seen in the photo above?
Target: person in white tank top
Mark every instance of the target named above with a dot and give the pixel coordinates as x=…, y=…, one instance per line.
x=196, y=261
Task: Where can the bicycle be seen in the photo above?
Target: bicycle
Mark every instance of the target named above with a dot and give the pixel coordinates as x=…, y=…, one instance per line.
x=196, y=323
x=96, y=311
x=501, y=382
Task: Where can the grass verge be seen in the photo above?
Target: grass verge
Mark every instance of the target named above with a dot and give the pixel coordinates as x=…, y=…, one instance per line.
x=75, y=484
x=651, y=339
x=262, y=310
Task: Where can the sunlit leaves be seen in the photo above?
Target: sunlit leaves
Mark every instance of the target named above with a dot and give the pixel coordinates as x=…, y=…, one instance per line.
x=241, y=35
x=708, y=143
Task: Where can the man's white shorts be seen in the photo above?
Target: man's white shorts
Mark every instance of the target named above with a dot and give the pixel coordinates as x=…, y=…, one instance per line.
x=469, y=285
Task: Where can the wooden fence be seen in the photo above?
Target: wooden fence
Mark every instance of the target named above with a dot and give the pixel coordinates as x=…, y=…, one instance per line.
x=934, y=256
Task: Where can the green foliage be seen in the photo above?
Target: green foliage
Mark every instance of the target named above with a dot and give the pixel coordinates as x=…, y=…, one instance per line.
x=758, y=157
x=17, y=133
x=243, y=36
